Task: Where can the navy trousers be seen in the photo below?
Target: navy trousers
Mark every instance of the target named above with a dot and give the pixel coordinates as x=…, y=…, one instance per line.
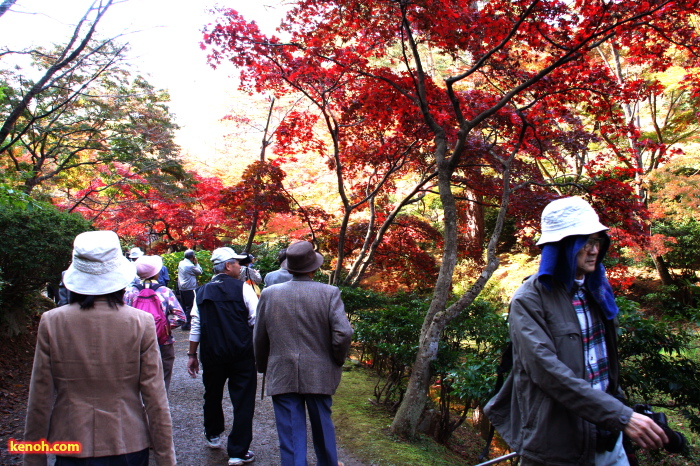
x=290, y=417
x=242, y=383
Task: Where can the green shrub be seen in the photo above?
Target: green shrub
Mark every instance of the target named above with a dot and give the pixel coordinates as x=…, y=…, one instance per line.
x=657, y=363
x=37, y=247
x=684, y=254
x=387, y=330
x=468, y=355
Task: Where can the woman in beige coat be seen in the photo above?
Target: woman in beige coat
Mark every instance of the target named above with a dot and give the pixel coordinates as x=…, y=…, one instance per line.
x=97, y=376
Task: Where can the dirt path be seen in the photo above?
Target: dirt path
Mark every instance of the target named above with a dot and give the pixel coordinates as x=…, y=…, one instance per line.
x=186, y=409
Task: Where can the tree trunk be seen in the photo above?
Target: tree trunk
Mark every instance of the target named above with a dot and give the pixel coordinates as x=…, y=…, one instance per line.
x=411, y=408
x=662, y=269
x=408, y=414
x=253, y=230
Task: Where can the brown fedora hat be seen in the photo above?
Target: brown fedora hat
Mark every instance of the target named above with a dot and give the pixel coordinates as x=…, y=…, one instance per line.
x=301, y=258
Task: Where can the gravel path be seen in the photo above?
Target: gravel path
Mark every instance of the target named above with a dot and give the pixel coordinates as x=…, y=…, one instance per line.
x=186, y=409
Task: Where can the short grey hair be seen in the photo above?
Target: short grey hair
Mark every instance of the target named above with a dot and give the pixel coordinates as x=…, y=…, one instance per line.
x=221, y=266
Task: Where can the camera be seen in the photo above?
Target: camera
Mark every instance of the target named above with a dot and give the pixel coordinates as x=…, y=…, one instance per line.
x=676, y=441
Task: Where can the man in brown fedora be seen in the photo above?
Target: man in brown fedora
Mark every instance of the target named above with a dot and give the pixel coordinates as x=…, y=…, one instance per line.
x=302, y=337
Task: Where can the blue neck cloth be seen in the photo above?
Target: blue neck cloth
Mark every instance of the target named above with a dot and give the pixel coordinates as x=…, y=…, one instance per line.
x=558, y=263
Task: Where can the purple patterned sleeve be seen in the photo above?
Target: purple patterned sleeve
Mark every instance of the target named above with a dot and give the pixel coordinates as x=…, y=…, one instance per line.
x=129, y=295
x=175, y=314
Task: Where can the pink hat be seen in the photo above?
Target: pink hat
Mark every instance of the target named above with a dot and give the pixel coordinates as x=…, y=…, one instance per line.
x=148, y=266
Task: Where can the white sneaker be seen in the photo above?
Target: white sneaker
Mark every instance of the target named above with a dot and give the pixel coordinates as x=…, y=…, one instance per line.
x=214, y=441
x=249, y=457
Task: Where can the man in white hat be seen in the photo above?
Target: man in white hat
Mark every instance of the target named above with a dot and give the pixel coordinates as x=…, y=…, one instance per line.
x=223, y=316
x=302, y=338
x=561, y=403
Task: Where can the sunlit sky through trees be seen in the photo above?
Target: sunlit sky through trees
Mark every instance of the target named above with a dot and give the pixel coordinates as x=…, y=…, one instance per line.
x=164, y=37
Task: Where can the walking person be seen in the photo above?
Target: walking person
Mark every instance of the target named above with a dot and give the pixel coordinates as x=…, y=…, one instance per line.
x=223, y=317
x=561, y=402
x=97, y=377
x=187, y=272
x=280, y=275
x=173, y=316
x=302, y=338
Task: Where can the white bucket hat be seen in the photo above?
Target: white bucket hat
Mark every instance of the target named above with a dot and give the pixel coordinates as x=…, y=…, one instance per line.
x=98, y=266
x=135, y=253
x=220, y=255
x=567, y=217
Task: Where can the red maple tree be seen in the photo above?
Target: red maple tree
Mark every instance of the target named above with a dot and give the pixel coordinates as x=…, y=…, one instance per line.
x=493, y=95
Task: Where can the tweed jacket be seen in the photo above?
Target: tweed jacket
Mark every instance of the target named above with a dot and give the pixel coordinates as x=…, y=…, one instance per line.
x=302, y=337
x=98, y=380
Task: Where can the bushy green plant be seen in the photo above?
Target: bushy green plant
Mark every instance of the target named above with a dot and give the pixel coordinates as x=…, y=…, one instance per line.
x=387, y=329
x=684, y=254
x=678, y=301
x=36, y=247
x=655, y=363
x=468, y=356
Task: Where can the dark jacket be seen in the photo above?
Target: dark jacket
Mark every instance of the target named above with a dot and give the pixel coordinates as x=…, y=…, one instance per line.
x=546, y=411
x=223, y=317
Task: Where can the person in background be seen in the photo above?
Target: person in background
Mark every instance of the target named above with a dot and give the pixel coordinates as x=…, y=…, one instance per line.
x=147, y=268
x=223, y=317
x=187, y=272
x=247, y=270
x=97, y=377
x=135, y=253
x=280, y=275
x=163, y=275
x=63, y=293
x=302, y=337
x=561, y=403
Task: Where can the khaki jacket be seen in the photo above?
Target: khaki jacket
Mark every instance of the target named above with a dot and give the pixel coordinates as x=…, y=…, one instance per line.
x=301, y=337
x=98, y=380
x=545, y=410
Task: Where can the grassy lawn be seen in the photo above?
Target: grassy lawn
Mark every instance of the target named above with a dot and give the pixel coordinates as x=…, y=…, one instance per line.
x=364, y=429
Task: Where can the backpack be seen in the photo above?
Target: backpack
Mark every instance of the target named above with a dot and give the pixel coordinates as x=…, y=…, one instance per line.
x=148, y=301
x=255, y=287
